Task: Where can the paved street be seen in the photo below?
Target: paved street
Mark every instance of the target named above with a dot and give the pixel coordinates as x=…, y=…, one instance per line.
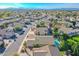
x=8, y=21
x=16, y=45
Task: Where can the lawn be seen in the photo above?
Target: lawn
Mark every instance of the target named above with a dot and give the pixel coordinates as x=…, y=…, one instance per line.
x=62, y=53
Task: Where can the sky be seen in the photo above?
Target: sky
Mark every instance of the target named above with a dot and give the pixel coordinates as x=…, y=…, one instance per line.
x=39, y=5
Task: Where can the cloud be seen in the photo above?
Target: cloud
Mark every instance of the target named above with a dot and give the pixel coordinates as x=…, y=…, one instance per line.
x=9, y=5
x=3, y=7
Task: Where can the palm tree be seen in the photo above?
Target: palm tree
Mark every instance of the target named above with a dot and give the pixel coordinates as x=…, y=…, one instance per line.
x=74, y=47
x=65, y=37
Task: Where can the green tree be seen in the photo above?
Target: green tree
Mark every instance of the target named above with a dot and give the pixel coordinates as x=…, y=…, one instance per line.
x=42, y=23
x=74, y=23
x=17, y=28
x=55, y=31
x=74, y=46
x=4, y=25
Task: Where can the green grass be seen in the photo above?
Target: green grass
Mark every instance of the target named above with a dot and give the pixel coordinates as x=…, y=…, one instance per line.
x=62, y=53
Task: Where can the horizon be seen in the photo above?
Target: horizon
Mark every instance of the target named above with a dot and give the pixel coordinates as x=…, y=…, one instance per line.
x=39, y=5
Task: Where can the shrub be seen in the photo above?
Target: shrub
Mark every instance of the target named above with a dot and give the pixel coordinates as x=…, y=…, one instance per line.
x=4, y=25
x=62, y=46
x=16, y=54
x=41, y=24
x=37, y=45
x=25, y=44
x=38, y=25
x=17, y=28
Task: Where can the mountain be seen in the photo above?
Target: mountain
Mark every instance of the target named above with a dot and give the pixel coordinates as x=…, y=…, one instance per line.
x=40, y=9
x=66, y=9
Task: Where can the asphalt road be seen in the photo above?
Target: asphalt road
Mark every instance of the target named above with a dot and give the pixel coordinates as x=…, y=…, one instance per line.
x=12, y=49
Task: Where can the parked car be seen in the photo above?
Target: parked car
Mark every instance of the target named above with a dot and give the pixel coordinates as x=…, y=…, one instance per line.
x=21, y=32
x=28, y=23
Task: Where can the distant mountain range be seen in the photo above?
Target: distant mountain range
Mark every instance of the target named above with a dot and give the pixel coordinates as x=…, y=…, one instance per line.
x=40, y=9
x=66, y=9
